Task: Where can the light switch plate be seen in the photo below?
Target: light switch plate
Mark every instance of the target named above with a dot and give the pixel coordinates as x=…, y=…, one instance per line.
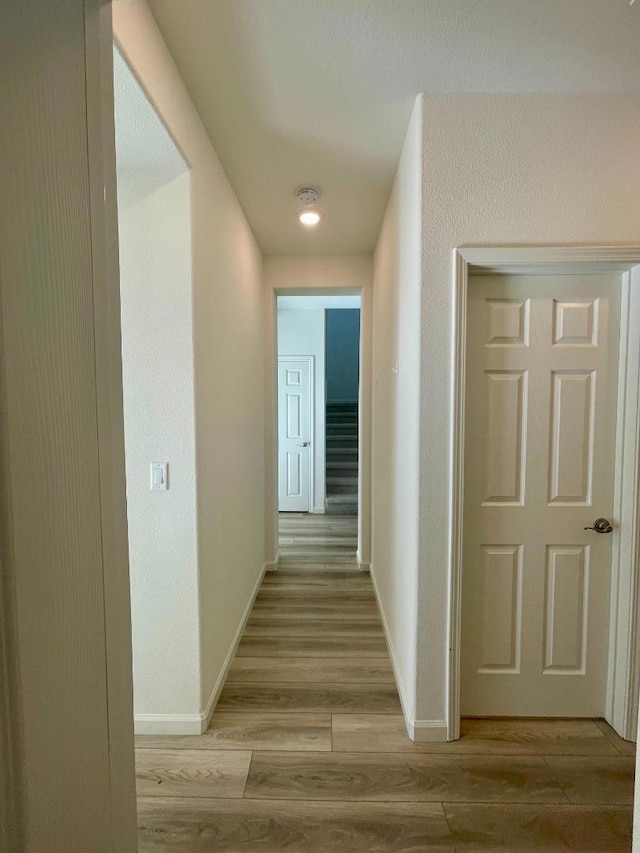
x=159, y=476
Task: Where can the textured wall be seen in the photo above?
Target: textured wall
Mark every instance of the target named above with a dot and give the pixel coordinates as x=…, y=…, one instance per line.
x=396, y=354
x=501, y=169
x=301, y=332
x=157, y=361
x=228, y=356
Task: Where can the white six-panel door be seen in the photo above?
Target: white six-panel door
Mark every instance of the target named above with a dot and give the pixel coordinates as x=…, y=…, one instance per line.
x=541, y=382
x=294, y=434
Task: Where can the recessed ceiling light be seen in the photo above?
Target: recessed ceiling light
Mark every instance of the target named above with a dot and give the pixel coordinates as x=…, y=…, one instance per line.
x=309, y=217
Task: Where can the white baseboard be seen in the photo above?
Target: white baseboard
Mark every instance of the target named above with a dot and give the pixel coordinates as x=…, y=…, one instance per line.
x=197, y=724
x=429, y=731
x=362, y=564
x=319, y=510
x=417, y=730
x=233, y=648
x=408, y=718
x=168, y=724
x=272, y=565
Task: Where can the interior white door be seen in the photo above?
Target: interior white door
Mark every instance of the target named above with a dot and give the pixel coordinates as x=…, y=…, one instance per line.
x=295, y=377
x=541, y=397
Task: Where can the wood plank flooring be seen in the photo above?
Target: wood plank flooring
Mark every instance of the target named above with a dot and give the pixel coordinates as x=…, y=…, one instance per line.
x=318, y=541
x=307, y=752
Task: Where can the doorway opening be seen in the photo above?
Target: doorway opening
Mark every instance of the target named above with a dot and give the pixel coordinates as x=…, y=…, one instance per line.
x=318, y=392
x=154, y=234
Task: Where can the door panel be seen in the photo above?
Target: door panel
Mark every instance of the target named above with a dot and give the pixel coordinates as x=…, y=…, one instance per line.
x=294, y=434
x=572, y=433
x=565, y=615
x=541, y=399
x=501, y=583
x=506, y=422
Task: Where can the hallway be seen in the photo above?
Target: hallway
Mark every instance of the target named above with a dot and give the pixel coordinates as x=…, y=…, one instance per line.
x=307, y=751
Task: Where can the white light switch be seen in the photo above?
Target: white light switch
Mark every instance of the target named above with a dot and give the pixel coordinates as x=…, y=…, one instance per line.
x=159, y=476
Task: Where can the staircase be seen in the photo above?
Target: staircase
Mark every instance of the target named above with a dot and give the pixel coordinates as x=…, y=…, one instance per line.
x=342, y=458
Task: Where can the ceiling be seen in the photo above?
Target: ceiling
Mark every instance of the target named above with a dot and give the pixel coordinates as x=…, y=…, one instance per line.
x=321, y=91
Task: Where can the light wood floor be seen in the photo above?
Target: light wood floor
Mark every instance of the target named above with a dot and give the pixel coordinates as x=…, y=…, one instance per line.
x=307, y=753
x=318, y=541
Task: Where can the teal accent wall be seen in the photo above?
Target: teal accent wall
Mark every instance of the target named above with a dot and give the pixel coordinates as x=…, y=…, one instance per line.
x=342, y=354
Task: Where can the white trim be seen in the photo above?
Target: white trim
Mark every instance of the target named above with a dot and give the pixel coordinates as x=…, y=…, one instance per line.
x=103, y=222
x=363, y=565
x=168, y=724
x=624, y=678
x=430, y=731
x=460, y=271
x=233, y=648
x=197, y=724
x=550, y=259
x=421, y=731
x=272, y=565
x=319, y=510
x=408, y=718
x=624, y=659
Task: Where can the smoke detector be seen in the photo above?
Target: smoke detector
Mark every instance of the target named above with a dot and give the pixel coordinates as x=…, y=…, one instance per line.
x=308, y=195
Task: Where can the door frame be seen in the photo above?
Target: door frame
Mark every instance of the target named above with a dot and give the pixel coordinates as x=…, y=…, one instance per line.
x=623, y=679
x=277, y=285
x=310, y=359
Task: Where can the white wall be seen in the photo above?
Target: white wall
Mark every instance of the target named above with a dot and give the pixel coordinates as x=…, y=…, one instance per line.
x=62, y=522
x=227, y=298
x=514, y=170
x=291, y=274
x=157, y=361
x=301, y=332
x=395, y=423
